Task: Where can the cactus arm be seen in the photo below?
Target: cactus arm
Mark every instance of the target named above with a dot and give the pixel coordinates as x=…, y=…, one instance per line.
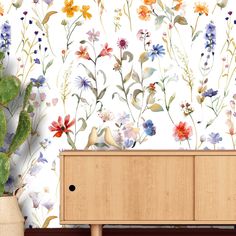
x=27, y=95
x=5, y=171
x=22, y=132
x=3, y=127
x=9, y=89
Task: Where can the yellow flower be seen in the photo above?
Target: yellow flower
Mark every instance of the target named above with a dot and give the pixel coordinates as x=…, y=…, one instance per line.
x=85, y=12
x=69, y=9
x=144, y=13
x=201, y=8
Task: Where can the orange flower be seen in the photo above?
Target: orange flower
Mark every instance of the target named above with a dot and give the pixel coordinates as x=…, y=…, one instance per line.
x=149, y=2
x=1, y=10
x=179, y=4
x=83, y=53
x=144, y=13
x=69, y=9
x=152, y=87
x=85, y=12
x=201, y=8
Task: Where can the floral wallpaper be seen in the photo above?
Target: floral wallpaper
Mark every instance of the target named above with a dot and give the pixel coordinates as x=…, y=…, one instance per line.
x=128, y=74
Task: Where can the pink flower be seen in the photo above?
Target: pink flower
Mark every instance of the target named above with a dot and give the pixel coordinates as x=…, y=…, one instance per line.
x=106, y=51
x=130, y=132
x=42, y=96
x=32, y=96
x=93, y=36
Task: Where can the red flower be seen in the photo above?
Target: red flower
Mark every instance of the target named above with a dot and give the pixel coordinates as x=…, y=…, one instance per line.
x=152, y=87
x=61, y=128
x=106, y=51
x=182, y=132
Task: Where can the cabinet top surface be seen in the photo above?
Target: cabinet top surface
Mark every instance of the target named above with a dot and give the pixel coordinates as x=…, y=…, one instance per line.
x=148, y=153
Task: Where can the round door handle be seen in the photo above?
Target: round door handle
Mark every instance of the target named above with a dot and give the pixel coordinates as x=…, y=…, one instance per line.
x=72, y=188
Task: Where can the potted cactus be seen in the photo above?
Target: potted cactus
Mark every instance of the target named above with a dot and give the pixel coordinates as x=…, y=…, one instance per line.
x=11, y=220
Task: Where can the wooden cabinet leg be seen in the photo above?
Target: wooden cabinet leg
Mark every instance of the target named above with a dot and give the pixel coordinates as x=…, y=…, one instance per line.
x=96, y=230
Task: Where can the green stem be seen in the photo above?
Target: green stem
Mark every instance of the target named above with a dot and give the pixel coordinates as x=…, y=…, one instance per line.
x=195, y=130
x=70, y=141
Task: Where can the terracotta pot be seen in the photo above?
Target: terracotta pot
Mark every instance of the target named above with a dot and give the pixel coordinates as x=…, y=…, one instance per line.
x=11, y=219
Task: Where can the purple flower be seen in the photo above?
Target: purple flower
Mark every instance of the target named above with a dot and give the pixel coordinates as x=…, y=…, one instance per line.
x=38, y=82
x=9, y=185
x=214, y=138
x=210, y=93
x=25, y=13
x=49, y=2
x=36, y=61
x=42, y=159
x=82, y=83
x=157, y=50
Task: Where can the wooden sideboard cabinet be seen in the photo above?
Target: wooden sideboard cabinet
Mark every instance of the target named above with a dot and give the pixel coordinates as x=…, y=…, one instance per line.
x=147, y=187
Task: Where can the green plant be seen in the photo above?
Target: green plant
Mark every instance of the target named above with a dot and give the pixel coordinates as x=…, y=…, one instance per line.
x=9, y=90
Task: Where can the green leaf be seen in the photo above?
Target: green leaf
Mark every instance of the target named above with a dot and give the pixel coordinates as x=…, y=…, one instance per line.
x=9, y=89
x=101, y=145
x=150, y=98
x=127, y=56
x=47, y=17
x=170, y=11
x=128, y=76
x=4, y=171
x=129, y=87
x=3, y=127
x=48, y=65
x=120, y=87
x=102, y=93
x=135, y=101
x=147, y=72
x=119, y=96
x=103, y=75
x=135, y=76
x=158, y=21
x=196, y=34
x=22, y=132
x=17, y=4
x=28, y=91
x=180, y=20
x=83, y=126
x=143, y=57
x=94, y=90
x=159, y=2
x=222, y=4
x=156, y=107
x=89, y=73
x=171, y=99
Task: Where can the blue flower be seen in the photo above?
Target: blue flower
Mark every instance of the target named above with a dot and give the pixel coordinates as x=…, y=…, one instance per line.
x=38, y=82
x=210, y=93
x=214, y=138
x=129, y=143
x=157, y=50
x=82, y=83
x=210, y=36
x=5, y=37
x=36, y=61
x=41, y=158
x=149, y=128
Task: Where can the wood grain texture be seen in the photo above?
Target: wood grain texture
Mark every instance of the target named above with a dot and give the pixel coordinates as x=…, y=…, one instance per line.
x=96, y=230
x=215, y=188
x=128, y=188
x=150, y=153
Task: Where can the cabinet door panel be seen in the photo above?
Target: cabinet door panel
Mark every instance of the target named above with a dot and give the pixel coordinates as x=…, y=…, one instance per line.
x=128, y=188
x=215, y=184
